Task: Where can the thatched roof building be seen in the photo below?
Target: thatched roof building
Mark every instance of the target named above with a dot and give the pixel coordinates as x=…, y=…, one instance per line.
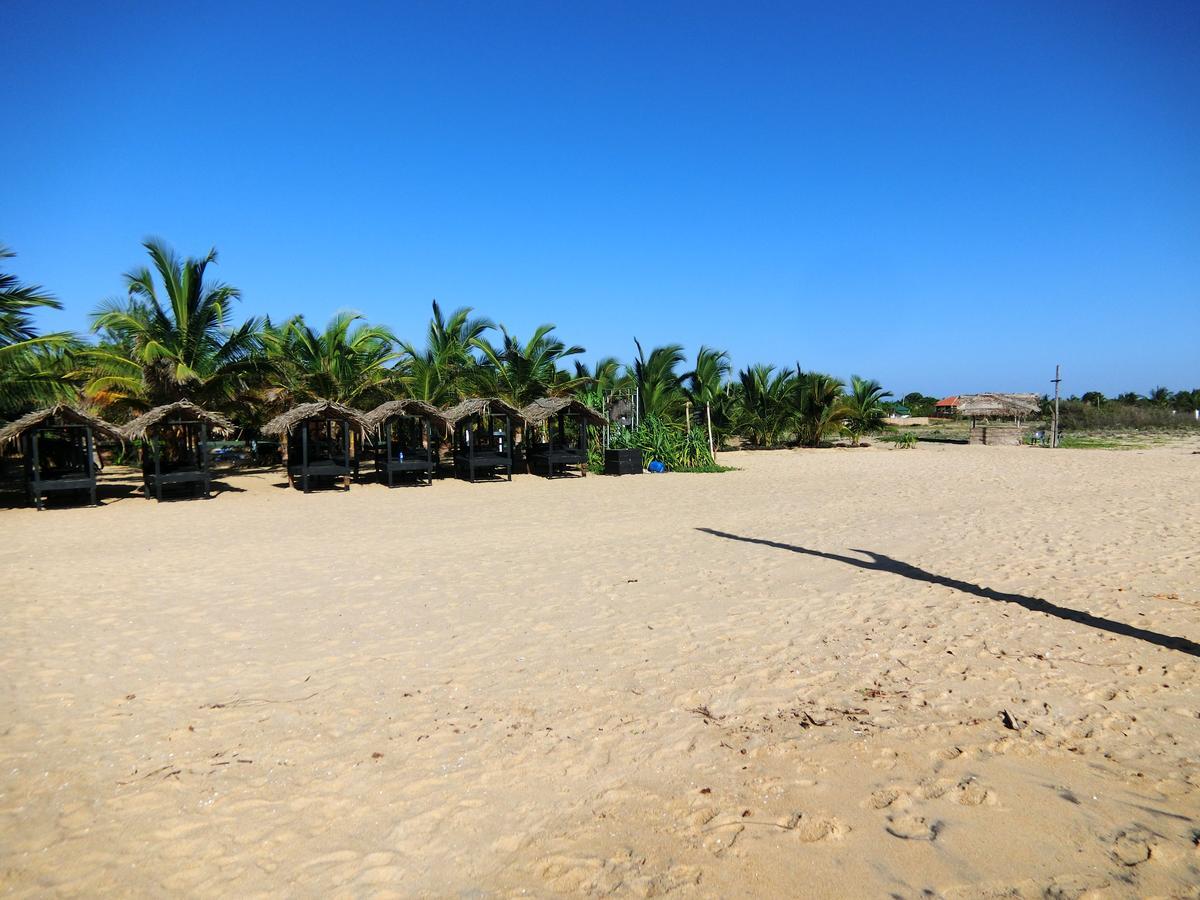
x=59, y=414
x=385, y=411
x=982, y=406
x=540, y=410
x=181, y=409
x=320, y=409
x=479, y=406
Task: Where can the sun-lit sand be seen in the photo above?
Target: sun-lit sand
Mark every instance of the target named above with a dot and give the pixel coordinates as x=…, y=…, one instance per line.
x=962, y=670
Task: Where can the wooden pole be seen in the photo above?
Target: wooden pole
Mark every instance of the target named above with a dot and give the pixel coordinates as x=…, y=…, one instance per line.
x=712, y=451
x=687, y=415
x=1054, y=427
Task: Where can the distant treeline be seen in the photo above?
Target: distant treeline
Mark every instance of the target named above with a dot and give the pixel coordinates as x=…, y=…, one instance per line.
x=173, y=335
x=1159, y=408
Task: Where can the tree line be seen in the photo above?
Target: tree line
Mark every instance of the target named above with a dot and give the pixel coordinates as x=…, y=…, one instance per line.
x=173, y=335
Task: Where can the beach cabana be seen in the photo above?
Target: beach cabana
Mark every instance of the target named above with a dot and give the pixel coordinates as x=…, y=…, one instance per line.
x=560, y=426
x=408, y=431
x=482, y=436
x=318, y=441
x=175, y=439
x=58, y=445
x=986, y=407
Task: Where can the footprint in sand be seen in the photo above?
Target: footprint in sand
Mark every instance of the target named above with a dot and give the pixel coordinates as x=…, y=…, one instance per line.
x=882, y=799
x=1131, y=848
x=913, y=828
x=810, y=829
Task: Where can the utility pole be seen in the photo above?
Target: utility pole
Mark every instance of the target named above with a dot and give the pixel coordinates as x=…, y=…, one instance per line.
x=1054, y=429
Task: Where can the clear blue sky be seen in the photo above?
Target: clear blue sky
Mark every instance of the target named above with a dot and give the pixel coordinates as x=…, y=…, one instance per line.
x=946, y=196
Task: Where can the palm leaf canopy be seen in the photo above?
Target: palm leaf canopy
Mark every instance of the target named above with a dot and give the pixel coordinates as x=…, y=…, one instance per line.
x=385, y=411
x=182, y=410
x=60, y=414
x=320, y=409
x=540, y=410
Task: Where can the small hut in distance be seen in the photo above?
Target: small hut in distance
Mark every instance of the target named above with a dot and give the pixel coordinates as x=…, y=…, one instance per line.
x=316, y=439
x=483, y=436
x=408, y=443
x=175, y=446
x=986, y=407
x=59, y=449
x=557, y=439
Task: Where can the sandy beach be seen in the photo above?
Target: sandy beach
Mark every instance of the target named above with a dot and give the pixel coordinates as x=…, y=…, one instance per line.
x=951, y=672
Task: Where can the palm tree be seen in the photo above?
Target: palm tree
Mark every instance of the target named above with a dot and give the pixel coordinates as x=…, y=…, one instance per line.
x=706, y=382
x=16, y=299
x=445, y=370
x=863, y=411
x=765, y=408
x=1160, y=396
x=348, y=362
x=521, y=373
x=659, y=385
x=173, y=345
x=819, y=406
x=35, y=369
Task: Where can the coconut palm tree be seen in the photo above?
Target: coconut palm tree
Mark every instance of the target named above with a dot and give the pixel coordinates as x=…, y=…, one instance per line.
x=349, y=361
x=706, y=382
x=660, y=386
x=818, y=406
x=35, y=369
x=446, y=369
x=863, y=411
x=765, y=406
x=171, y=343
x=521, y=373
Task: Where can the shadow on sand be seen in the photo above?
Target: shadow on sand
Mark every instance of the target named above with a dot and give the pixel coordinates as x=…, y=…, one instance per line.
x=880, y=563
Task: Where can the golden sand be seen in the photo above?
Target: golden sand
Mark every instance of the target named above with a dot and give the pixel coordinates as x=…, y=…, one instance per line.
x=831, y=673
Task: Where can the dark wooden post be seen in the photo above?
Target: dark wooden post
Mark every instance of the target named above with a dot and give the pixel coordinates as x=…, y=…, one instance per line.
x=304, y=456
x=37, y=470
x=387, y=426
x=91, y=465
x=203, y=451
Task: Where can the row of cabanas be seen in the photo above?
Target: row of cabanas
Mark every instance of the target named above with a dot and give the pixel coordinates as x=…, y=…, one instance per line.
x=322, y=440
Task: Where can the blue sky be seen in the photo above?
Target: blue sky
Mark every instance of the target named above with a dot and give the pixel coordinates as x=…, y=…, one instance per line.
x=945, y=196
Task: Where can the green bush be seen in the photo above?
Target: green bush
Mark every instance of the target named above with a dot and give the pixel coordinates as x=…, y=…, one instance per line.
x=677, y=449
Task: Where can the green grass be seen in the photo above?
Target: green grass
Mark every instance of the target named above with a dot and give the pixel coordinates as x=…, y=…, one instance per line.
x=1098, y=442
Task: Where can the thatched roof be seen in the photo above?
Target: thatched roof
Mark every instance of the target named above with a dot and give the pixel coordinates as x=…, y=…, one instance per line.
x=320, y=409
x=479, y=406
x=183, y=410
x=981, y=405
x=385, y=411
x=540, y=410
x=60, y=414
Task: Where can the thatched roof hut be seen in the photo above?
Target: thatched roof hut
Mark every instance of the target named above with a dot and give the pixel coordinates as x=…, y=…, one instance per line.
x=479, y=406
x=181, y=409
x=385, y=411
x=478, y=445
x=60, y=414
x=320, y=409
x=560, y=448
x=981, y=406
x=540, y=410
x=58, y=447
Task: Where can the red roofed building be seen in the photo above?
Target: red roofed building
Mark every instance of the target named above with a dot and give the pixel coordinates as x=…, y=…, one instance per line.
x=946, y=408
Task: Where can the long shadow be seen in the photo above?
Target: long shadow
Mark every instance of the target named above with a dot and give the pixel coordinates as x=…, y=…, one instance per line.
x=880, y=563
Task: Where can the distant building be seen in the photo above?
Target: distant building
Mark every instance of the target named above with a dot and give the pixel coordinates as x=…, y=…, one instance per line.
x=946, y=408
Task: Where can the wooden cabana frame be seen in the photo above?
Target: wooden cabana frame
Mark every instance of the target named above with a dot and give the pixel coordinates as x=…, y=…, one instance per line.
x=558, y=452
x=175, y=440
x=58, y=444
x=311, y=451
x=990, y=406
x=408, y=439
x=477, y=446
